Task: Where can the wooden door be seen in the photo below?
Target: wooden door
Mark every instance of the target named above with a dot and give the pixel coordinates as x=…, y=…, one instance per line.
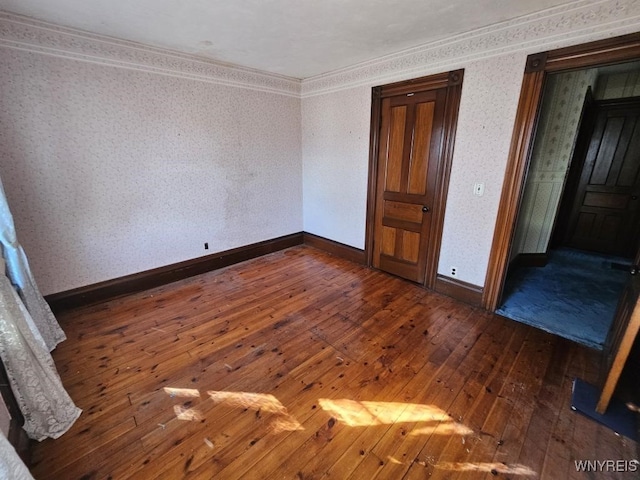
x=409, y=156
x=604, y=216
x=622, y=334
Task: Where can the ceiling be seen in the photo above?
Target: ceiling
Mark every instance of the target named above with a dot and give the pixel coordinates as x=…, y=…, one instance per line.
x=296, y=38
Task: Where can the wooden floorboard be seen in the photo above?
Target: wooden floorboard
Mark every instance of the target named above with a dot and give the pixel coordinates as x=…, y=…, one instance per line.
x=303, y=365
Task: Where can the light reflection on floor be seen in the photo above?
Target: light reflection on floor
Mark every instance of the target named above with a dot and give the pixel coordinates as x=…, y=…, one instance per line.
x=444, y=428
x=252, y=401
x=365, y=414
x=187, y=414
x=513, y=469
x=351, y=413
x=263, y=402
x=182, y=392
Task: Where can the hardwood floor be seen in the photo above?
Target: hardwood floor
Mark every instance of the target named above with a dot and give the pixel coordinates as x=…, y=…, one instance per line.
x=305, y=366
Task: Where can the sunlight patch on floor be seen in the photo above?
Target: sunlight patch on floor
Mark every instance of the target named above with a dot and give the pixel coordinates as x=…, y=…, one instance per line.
x=252, y=401
x=259, y=402
x=514, y=469
x=349, y=412
x=187, y=414
x=182, y=392
x=444, y=428
x=365, y=414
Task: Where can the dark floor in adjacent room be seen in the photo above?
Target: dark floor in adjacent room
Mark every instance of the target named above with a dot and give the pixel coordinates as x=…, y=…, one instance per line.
x=573, y=296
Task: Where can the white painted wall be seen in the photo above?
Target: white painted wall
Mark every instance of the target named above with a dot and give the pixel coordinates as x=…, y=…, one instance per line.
x=112, y=171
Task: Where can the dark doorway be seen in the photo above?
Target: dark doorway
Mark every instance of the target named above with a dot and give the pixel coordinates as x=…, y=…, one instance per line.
x=580, y=190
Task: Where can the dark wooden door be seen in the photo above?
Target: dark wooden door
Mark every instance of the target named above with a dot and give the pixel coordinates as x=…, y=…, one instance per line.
x=409, y=155
x=604, y=216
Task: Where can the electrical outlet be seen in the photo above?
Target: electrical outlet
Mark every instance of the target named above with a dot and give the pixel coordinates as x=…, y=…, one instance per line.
x=206, y=245
x=454, y=271
x=478, y=189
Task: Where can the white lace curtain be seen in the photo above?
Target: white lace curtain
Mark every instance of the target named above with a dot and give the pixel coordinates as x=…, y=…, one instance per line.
x=28, y=332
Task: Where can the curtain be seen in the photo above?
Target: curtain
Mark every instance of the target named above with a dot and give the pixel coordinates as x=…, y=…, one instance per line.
x=47, y=408
x=28, y=332
x=18, y=271
x=11, y=465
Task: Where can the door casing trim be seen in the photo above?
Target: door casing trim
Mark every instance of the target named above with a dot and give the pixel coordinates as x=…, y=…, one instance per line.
x=452, y=81
x=604, y=52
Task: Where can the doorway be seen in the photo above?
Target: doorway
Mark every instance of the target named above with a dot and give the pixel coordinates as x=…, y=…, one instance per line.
x=412, y=134
x=577, y=227
x=538, y=69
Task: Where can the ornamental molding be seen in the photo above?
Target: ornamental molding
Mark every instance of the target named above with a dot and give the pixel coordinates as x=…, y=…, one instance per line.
x=577, y=22
x=26, y=34
x=570, y=24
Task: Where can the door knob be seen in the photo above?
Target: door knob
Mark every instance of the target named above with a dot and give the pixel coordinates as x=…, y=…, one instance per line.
x=425, y=209
x=633, y=270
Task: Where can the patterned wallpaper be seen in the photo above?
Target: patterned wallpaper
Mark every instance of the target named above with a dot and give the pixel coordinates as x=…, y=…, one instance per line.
x=118, y=158
x=559, y=118
x=618, y=85
x=485, y=123
x=493, y=60
x=335, y=140
x=112, y=171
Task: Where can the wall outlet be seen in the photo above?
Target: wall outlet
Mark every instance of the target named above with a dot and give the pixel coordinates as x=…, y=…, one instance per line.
x=478, y=189
x=206, y=245
x=454, y=271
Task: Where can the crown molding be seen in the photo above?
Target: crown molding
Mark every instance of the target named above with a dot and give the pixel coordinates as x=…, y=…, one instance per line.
x=569, y=24
x=26, y=34
x=577, y=22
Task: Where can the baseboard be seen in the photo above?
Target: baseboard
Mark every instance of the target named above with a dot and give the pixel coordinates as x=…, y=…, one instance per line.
x=529, y=260
x=160, y=276
x=78, y=297
x=335, y=248
x=459, y=290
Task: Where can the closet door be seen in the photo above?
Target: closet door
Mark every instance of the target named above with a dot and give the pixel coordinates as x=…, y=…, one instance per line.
x=409, y=161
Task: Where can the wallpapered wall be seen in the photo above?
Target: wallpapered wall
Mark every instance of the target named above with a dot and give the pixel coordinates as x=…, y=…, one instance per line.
x=119, y=158
x=559, y=120
x=335, y=141
x=618, y=85
x=494, y=61
x=113, y=171
x=335, y=149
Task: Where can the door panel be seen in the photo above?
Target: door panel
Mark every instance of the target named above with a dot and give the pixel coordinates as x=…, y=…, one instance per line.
x=605, y=212
x=409, y=153
x=397, y=122
x=419, y=162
